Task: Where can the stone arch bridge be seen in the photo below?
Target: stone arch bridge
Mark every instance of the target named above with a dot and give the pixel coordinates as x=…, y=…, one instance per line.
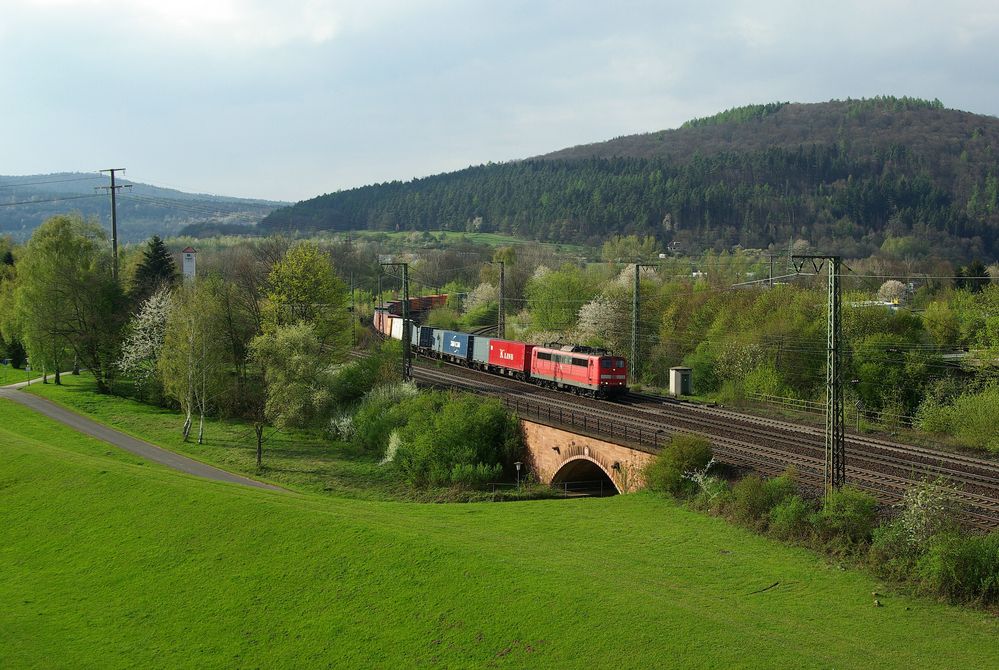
x=558, y=456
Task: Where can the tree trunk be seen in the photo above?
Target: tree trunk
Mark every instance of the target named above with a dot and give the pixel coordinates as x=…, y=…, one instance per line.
x=76, y=365
x=201, y=429
x=58, y=379
x=259, y=430
x=187, y=425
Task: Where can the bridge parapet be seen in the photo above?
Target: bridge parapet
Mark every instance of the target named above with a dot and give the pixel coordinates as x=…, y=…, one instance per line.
x=554, y=454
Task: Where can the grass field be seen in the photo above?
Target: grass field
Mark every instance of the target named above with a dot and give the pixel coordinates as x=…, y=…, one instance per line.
x=9, y=375
x=293, y=459
x=107, y=562
x=491, y=239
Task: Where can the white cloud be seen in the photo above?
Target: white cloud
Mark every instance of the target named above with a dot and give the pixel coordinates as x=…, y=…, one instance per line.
x=247, y=24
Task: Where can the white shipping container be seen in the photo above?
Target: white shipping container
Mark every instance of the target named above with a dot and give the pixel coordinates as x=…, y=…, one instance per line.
x=396, y=328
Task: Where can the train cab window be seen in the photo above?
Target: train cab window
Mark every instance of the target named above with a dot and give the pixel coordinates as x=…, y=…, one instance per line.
x=606, y=363
x=581, y=362
x=620, y=362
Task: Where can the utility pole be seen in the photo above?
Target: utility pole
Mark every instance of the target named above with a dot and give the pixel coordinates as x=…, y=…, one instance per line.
x=634, y=320
x=114, y=217
x=407, y=354
x=835, y=452
x=501, y=315
x=770, y=281
x=353, y=314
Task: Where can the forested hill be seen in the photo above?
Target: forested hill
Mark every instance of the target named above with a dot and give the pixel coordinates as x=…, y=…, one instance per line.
x=903, y=175
x=143, y=209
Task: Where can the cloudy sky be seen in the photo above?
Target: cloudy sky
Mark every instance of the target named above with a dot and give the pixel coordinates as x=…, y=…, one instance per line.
x=289, y=99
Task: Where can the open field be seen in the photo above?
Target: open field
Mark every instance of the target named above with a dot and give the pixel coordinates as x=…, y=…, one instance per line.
x=491, y=239
x=111, y=563
x=294, y=459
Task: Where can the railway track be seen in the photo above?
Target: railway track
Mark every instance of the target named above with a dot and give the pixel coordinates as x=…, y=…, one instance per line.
x=885, y=469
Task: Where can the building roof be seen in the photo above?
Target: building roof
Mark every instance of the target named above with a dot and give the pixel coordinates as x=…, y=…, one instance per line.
x=189, y=250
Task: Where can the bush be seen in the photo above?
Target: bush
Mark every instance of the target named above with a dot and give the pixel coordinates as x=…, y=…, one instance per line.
x=383, y=409
x=975, y=418
x=754, y=497
x=790, y=518
x=748, y=502
x=683, y=455
x=456, y=440
x=892, y=555
x=962, y=567
x=846, y=518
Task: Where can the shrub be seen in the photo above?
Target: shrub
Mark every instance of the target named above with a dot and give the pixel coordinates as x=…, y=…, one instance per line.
x=892, y=555
x=684, y=454
x=846, y=518
x=749, y=500
x=753, y=497
x=962, y=567
x=926, y=510
x=458, y=439
x=975, y=418
x=383, y=409
x=790, y=518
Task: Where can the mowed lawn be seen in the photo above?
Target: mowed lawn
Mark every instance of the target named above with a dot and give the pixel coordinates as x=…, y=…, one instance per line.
x=108, y=562
x=294, y=459
x=11, y=375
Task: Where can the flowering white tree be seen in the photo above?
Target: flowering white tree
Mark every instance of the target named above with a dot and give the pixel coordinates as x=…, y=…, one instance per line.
x=598, y=320
x=483, y=294
x=892, y=291
x=141, y=350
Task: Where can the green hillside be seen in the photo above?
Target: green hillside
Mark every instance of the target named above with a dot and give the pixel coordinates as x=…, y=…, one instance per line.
x=143, y=209
x=110, y=562
x=843, y=175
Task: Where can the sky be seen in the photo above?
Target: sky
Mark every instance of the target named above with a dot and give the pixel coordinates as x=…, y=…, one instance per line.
x=289, y=99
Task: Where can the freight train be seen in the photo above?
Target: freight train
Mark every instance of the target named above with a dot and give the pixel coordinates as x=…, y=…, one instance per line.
x=574, y=369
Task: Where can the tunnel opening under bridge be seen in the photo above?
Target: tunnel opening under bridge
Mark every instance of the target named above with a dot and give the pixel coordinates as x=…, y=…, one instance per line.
x=584, y=477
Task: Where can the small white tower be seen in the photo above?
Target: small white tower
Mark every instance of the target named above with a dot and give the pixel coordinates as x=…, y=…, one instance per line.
x=189, y=263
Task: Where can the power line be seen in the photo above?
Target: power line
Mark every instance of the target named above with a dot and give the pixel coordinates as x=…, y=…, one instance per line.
x=39, y=202
x=51, y=181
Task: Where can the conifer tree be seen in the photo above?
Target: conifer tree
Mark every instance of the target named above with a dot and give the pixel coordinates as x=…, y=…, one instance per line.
x=156, y=270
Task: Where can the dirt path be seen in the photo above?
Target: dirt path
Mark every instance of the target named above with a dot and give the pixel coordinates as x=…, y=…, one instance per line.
x=127, y=442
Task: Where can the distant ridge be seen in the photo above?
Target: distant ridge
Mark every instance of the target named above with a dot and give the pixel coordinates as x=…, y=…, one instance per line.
x=143, y=210
x=900, y=175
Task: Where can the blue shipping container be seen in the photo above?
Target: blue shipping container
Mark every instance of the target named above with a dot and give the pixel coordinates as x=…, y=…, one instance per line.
x=455, y=344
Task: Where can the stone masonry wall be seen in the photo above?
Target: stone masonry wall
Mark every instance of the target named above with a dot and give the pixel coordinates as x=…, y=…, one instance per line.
x=550, y=448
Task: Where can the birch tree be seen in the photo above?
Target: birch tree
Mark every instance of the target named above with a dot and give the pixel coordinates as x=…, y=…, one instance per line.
x=193, y=358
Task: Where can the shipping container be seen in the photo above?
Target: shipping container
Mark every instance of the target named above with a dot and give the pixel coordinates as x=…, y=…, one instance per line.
x=396, y=327
x=480, y=351
x=510, y=355
x=426, y=337
x=450, y=343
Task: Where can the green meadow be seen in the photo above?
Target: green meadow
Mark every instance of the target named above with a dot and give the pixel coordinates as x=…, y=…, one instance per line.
x=110, y=562
x=11, y=375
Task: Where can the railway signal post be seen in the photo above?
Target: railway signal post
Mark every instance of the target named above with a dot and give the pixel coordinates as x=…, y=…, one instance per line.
x=634, y=319
x=407, y=360
x=835, y=452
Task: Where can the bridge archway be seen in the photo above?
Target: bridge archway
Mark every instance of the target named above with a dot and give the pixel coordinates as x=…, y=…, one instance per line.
x=585, y=475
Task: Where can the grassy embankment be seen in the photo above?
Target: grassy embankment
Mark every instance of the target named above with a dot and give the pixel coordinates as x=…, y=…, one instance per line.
x=294, y=459
x=108, y=562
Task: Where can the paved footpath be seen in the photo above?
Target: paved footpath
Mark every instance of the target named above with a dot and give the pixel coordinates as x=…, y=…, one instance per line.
x=138, y=447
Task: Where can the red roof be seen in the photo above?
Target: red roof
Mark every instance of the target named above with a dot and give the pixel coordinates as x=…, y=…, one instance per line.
x=189, y=250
